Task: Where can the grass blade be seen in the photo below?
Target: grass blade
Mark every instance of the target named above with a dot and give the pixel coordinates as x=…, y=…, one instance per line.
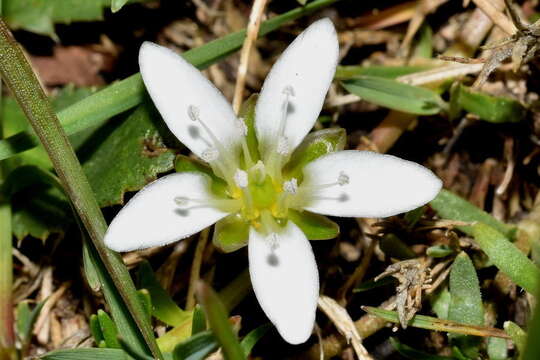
x=219, y=322
x=432, y=323
x=128, y=93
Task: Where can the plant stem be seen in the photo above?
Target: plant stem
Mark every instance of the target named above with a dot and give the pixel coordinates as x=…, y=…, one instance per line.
x=18, y=75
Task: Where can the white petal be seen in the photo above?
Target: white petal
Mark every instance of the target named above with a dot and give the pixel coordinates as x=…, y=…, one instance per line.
x=286, y=281
x=307, y=66
x=379, y=185
x=175, y=85
x=152, y=217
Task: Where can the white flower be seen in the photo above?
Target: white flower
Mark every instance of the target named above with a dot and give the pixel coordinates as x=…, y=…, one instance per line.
x=345, y=183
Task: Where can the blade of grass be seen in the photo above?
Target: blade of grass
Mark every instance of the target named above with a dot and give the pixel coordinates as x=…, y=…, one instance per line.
x=219, y=322
x=128, y=93
x=432, y=323
x=20, y=78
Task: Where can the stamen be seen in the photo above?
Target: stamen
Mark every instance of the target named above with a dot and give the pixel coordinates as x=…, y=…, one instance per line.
x=241, y=178
x=194, y=114
x=343, y=179
x=228, y=205
x=210, y=154
x=291, y=186
x=258, y=172
x=283, y=146
x=241, y=125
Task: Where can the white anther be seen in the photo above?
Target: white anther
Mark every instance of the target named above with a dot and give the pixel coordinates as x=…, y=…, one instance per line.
x=291, y=186
x=241, y=178
x=288, y=90
x=181, y=200
x=343, y=179
x=273, y=239
x=193, y=113
x=283, y=145
x=241, y=125
x=210, y=154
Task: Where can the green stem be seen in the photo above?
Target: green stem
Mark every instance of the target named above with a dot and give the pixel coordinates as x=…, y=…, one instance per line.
x=128, y=93
x=18, y=75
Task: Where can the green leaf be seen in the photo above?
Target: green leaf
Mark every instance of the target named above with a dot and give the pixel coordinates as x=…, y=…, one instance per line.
x=413, y=354
x=440, y=303
x=219, y=322
x=390, y=72
x=130, y=92
x=231, y=233
x=315, y=145
x=95, y=330
x=424, y=43
x=453, y=207
x=90, y=271
x=26, y=319
x=395, y=95
x=372, y=284
x=497, y=349
x=39, y=16
x=314, y=226
x=507, y=257
x=196, y=347
x=394, y=247
x=465, y=302
x=129, y=156
x=176, y=335
x=496, y=109
x=198, y=323
x=439, y=251
x=86, y=354
x=253, y=337
x=532, y=348
x=116, y=5
x=519, y=337
x=413, y=216
x=108, y=330
x=163, y=307
x=431, y=323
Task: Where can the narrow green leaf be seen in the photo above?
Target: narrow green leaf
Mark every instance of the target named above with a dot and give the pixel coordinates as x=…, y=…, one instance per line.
x=253, y=337
x=26, y=319
x=314, y=226
x=163, y=307
x=196, y=347
x=431, y=323
x=108, y=330
x=519, y=337
x=532, y=348
x=424, y=43
x=372, y=284
x=95, y=330
x=133, y=351
x=176, y=335
x=86, y=354
x=465, y=302
x=130, y=92
x=496, y=109
x=389, y=72
x=395, y=95
x=198, y=323
x=90, y=272
x=507, y=257
x=413, y=216
x=413, y=354
x=219, y=322
x=453, y=207
x=439, y=251
x=440, y=303
x=247, y=112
